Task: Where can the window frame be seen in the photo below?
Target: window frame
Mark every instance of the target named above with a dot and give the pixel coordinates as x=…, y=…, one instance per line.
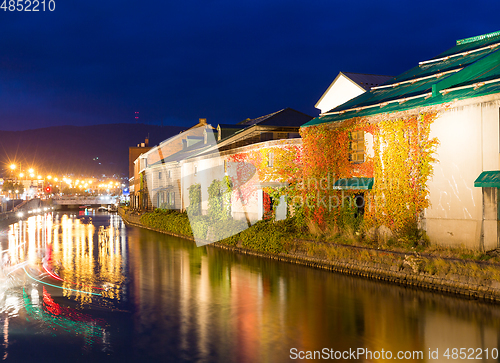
x=270, y=159
x=357, y=141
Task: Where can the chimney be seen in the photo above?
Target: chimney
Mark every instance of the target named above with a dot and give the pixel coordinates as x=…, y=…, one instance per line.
x=203, y=121
x=147, y=141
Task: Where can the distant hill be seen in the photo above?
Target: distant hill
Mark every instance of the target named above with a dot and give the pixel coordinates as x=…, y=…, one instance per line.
x=79, y=150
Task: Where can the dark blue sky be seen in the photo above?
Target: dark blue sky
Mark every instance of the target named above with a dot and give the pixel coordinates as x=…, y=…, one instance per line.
x=92, y=62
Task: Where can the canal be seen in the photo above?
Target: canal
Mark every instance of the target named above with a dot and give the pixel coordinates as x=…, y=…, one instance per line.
x=87, y=288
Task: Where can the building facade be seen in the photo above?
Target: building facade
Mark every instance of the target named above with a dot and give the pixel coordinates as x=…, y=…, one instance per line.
x=446, y=111
x=202, y=154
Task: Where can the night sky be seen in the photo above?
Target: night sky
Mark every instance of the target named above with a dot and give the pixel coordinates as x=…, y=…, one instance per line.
x=94, y=62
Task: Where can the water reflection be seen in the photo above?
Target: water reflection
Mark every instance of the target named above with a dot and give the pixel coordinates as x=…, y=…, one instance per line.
x=86, y=262
x=211, y=305
x=54, y=267
x=89, y=288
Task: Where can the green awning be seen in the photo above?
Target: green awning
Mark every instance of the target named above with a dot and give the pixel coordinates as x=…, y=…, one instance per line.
x=488, y=179
x=354, y=183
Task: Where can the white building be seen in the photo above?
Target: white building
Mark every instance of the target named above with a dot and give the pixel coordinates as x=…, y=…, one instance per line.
x=462, y=85
x=346, y=86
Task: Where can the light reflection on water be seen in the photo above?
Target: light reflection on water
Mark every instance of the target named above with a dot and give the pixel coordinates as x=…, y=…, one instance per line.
x=69, y=253
x=214, y=305
x=87, y=288
x=55, y=267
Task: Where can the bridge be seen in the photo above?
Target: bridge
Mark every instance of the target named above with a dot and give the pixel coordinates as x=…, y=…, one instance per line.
x=94, y=200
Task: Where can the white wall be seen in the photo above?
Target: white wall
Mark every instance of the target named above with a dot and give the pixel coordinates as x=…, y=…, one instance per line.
x=469, y=144
x=339, y=92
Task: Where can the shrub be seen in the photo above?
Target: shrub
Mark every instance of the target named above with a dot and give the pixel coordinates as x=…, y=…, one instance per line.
x=266, y=236
x=200, y=226
x=169, y=221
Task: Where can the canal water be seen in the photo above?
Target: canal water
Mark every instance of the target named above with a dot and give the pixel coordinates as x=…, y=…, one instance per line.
x=87, y=288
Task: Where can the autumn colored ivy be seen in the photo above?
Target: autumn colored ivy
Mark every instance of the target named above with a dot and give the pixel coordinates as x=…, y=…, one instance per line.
x=253, y=166
x=326, y=160
x=400, y=193
x=400, y=163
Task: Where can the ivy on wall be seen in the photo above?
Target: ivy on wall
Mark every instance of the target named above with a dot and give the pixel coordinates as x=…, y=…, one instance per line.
x=253, y=166
x=401, y=165
x=194, y=208
x=404, y=155
x=219, y=199
x=326, y=160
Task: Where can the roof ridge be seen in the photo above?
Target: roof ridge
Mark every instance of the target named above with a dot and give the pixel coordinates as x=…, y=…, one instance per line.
x=260, y=118
x=478, y=37
x=367, y=74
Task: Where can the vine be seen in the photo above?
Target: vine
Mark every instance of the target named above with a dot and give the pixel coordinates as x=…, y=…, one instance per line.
x=400, y=163
x=402, y=171
x=219, y=199
x=252, y=168
x=194, y=208
x=326, y=160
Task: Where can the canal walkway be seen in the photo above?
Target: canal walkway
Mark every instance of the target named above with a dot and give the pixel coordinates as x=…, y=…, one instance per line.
x=20, y=210
x=373, y=264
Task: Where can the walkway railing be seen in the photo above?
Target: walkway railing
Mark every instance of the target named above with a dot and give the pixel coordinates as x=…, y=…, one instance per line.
x=103, y=199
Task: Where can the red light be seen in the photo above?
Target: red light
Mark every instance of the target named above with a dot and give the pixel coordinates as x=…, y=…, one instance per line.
x=48, y=190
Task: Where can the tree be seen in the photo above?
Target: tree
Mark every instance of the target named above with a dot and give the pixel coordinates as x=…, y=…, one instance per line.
x=12, y=187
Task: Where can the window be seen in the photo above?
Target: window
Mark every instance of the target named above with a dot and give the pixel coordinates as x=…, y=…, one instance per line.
x=357, y=147
x=169, y=174
x=159, y=175
x=161, y=200
x=266, y=136
x=195, y=170
x=270, y=159
x=171, y=199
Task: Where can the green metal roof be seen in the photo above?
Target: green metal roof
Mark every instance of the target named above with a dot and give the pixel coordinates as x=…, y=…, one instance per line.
x=469, y=44
x=458, y=73
x=488, y=179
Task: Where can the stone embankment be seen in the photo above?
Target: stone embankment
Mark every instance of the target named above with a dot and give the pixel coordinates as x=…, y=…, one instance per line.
x=402, y=271
x=19, y=211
